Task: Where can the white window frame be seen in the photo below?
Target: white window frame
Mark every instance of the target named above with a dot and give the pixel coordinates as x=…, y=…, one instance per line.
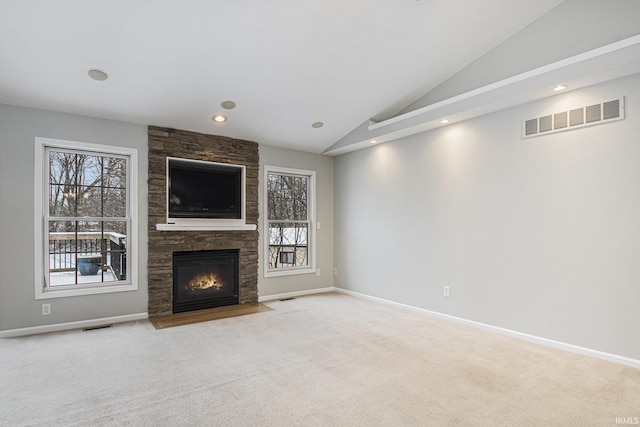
x=311, y=212
x=41, y=206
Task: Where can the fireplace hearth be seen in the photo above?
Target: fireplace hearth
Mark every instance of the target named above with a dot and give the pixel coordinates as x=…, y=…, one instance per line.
x=205, y=279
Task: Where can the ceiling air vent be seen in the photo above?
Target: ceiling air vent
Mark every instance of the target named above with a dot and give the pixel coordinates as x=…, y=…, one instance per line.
x=545, y=123
x=560, y=120
x=611, y=110
x=531, y=127
x=575, y=118
x=594, y=113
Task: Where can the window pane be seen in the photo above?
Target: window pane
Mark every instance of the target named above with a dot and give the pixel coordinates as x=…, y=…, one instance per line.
x=61, y=200
x=62, y=246
x=102, y=202
x=63, y=183
x=86, y=252
x=287, y=197
x=114, y=187
x=115, y=238
x=89, y=202
x=86, y=185
x=288, y=244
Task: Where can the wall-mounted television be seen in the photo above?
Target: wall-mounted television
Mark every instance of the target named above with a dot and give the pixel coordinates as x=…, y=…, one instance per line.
x=199, y=191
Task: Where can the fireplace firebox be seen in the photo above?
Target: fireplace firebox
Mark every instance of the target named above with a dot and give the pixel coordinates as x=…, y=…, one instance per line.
x=205, y=279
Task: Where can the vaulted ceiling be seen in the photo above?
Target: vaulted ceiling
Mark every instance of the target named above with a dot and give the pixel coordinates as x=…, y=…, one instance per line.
x=285, y=64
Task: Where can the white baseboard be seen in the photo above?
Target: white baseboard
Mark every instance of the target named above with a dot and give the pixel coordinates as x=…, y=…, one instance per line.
x=622, y=360
x=295, y=294
x=72, y=325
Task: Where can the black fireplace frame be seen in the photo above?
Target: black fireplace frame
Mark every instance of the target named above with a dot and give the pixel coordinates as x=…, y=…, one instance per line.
x=202, y=302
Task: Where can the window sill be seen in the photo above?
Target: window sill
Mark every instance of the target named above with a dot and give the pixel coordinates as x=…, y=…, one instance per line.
x=89, y=290
x=278, y=273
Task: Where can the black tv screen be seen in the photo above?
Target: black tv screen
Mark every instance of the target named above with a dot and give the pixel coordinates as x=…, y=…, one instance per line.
x=204, y=190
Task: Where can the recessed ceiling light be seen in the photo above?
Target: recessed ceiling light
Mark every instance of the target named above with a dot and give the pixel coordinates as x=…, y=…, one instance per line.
x=559, y=88
x=444, y=121
x=317, y=125
x=219, y=118
x=228, y=105
x=373, y=141
x=98, y=75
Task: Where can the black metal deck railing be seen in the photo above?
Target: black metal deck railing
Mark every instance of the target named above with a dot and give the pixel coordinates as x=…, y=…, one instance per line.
x=65, y=248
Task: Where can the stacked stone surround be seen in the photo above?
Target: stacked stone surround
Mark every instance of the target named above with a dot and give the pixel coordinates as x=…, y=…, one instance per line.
x=163, y=143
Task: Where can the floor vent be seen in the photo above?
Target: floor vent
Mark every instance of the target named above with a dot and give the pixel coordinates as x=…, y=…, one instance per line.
x=93, y=328
x=576, y=118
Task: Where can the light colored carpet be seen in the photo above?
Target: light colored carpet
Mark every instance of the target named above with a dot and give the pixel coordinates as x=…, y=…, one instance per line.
x=321, y=360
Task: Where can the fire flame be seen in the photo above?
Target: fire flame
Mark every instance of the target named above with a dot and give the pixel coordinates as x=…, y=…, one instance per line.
x=206, y=281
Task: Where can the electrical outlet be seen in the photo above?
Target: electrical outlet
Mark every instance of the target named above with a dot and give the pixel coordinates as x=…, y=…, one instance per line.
x=46, y=309
x=335, y=271
x=446, y=291
x=317, y=272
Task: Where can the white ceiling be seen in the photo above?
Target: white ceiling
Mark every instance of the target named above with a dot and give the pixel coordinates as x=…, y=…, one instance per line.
x=286, y=64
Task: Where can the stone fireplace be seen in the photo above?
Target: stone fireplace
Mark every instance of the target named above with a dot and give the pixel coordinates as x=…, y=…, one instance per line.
x=164, y=246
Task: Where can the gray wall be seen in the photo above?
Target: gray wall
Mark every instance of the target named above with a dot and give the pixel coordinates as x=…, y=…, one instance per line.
x=323, y=165
x=539, y=236
x=18, y=129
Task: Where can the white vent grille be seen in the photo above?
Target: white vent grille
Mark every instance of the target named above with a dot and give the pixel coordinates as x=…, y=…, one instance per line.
x=531, y=127
x=545, y=123
x=560, y=120
x=611, y=109
x=575, y=118
x=594, y=113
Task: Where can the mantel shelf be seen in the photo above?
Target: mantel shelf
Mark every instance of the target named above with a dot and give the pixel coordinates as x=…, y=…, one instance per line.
x=176, y=227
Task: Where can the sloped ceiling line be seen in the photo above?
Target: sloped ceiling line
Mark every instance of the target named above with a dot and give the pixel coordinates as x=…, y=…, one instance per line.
x=614, y=60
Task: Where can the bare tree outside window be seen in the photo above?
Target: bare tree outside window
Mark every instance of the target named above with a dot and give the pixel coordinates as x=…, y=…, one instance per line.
x=288, y=220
